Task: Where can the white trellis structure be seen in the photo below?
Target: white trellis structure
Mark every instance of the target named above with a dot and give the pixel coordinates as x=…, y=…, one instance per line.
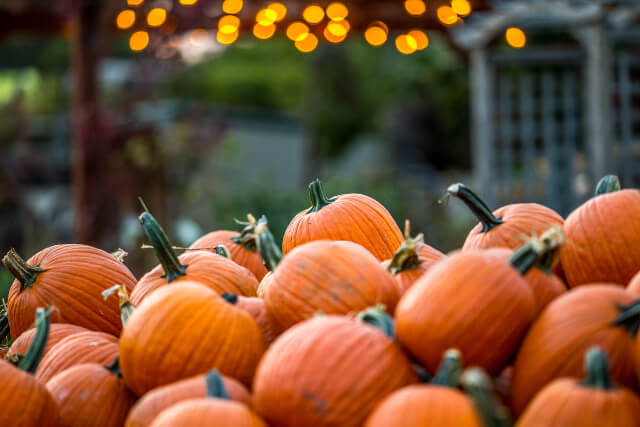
x=549, y=119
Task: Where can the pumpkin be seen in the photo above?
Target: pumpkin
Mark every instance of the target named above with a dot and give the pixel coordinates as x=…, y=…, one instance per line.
x=256, y=308
x=187, y=329
x=508, y=226
x=603, y=239
x=480, y=388
x=25, y=401
x=334, y=277
x=352, y=217
x=329, y=371
x=472, y=301
x=412, y=259
x=215, y=271
x=57, y=332
x=91, y=394
x=594, y=315
x=634, y=284
x=71, y=278
x=81, y=347
x=161, y=398
x=594, y=401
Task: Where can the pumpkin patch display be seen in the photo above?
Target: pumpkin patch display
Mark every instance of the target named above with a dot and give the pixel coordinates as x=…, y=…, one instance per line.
x=256, y=308
x=57, y=332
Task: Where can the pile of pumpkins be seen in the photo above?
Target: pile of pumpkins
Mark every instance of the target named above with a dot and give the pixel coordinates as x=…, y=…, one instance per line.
x=350, y=322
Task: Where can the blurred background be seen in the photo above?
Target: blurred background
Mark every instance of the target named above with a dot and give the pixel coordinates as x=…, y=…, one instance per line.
x=212, y=109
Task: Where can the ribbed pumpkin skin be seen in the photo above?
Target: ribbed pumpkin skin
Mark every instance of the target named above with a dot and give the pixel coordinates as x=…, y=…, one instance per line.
x=405, y=279
x=251, y=260
x=73, y=282
x=186, y=329
x=335, y=277
x=603, y=240
x=565, y=402
x=634, y=284
x=25, y=402
x=206, y=412
x=520, y=221
x=161, y=398
x=425, y=405
x=257, y=309
x=57, y=332
x=354, y=366
x=472, y=301
x=555, y=344
x=264, y=284
x=214, y=271
x=352, y=217
x=90, y=395
x=82, y=347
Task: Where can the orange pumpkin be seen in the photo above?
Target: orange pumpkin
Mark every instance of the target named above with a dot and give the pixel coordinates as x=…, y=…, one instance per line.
x=82, y=347
x=215, y=271
x=25, y=401
x=472, y=301
x=256, y=308
x=184, y=330
x=634, y=284
x=207, y=412
x=412, y=259
x=161, y=398
x=91, y=394
x=71, y=278
x=508, y=226
x=592, y=402
x=354, y=367
x=57, y=332
x=603, y=239
x=352, y=217
x=594, y=315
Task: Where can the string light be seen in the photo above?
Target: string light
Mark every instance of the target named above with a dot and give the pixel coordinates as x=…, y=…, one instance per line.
x=224, y=38
x=406, y=44
x=415, y=7
x=263, y=32
x=188, y=2
x=375, y=35
x=156, y=17
x=125, y=19
x=232, y=7
x=279, y=9
x=313, y=14
x=339, y=28
x=228, y=24
x=446, y=15
x=422, y=41
x=515, y=37
x=332, y=38
x=337, y=11
x=307, y=44
x=296, y=31
x=461, y=7
x=138, y=41
x=134, y=2
x=266, y=16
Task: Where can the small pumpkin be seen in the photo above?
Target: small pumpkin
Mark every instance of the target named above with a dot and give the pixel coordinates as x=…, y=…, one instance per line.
x=216, y=272
x=594, y=401
x=256, y=308
x=354, y=365
x=595, y=315
x=187, y=329
x=508, y=226
x=71, y=278
x=57, y=332
x=352, y=217
x=91, y=394
x=161, y=398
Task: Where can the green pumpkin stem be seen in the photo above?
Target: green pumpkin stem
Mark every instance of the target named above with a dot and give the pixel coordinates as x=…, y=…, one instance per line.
x=448, y=374
x=222, y=251
x=317, y=197
x=246, y=239
x=597, y=370
x=608, y=184
x=4, y=326
x=407, y=257
x=537, y=250
x=377, y=316
x=266, y=243
x=25, y=274
x=478, y=384
x=230, y=298
x=30, y=361
x=215, y=385
x=126, y=306
x=162, y=247
x=114, y=367
x=629, y=317
x=476, y=205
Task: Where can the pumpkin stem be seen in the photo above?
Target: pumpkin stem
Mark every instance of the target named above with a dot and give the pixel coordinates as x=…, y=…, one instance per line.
x=4, y=326
x=25, y=274
x=450, y=369
x=246, y=238
x=162, y=247
x=377, y=316
x=478, y=385
x=608, y=184
x=126, y=307
x=476, y=205
x=30, y=361
x=222, y=251
x=215, y=385
x=421, y=372
x=597, y=370
x=114, y=367
x=629, y=317
x=407, y=257
x=266, y=244
x=533, y=252
x=230, y=298
x=317, y=196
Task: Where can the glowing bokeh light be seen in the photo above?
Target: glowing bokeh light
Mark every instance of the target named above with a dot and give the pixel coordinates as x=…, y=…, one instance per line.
x=228, y=24
x=156, y=17
x=232, y=6
x=337, y=11
x=279, y=9
x=406, y=44
x=339, y=28
x=188, y=2
x=224, y=38
x=263, y=32
x=421, y=39
x=415, y=7
x=138, y=41
x=125, y=19
x=134, y=2
x=461, y=7
x=515, y=37
x=332, y=38
x=375, y=35
x=307, y=44
x=313, y=14
x=381, y=25
x=266, y=17
x=296, y=31
x=446, y=15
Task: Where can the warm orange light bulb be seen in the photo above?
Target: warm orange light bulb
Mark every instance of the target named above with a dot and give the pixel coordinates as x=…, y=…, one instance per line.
x=139, y=40
x=228, y=24
x=125, y=19
x=332, y=38
x=461, y=7
x=339, y=28
x=188, y=2
x=422, y=41
x=307, y=44
x=415, y=7
x=515, y=37
x=313, y=14
x=279, y=9
x=134, y=2
x=224, y=38
x=406, y=44
x=263, y=32
x=297, y=31
x=337, y=11
x=446, y=15
x=232, y=6
x=156, y=17
x=375, y=35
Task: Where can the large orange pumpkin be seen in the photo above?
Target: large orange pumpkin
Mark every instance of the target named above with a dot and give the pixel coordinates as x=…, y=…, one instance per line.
x=594, y=315
x=161, y=398
x=594, y=401
x=328, y=371
x=603, y=240
x=256, y=308
x=25, y=401
x=352, y=217
x=184, y=330
x=473, y=301
x=90, y=394
x=57, y=332
x=508, y=226
x=71, y=278
x=215, y=271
